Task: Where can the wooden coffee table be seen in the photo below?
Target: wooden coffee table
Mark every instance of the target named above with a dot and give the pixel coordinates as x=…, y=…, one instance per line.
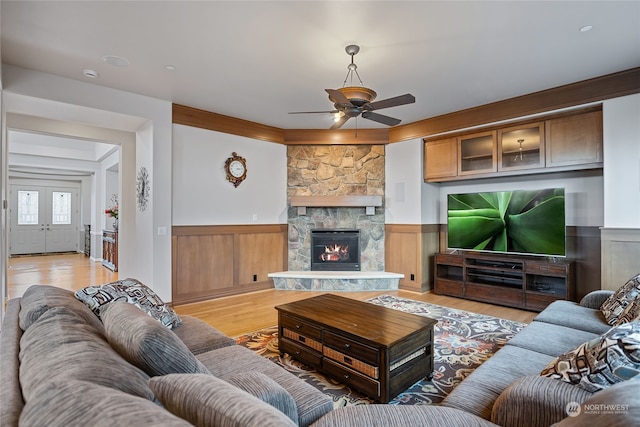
x=376, y=350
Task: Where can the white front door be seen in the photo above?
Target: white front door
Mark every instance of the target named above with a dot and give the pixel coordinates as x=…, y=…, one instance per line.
x=43, y=219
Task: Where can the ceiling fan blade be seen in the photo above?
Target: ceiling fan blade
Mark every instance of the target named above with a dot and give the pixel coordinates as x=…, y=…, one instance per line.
x=380, y=118
x=340, y=122
x=315, y=112
x=337, y=97
x=391, y=102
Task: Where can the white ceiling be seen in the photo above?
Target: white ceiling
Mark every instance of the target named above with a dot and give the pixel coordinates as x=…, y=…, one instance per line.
x=259, y=60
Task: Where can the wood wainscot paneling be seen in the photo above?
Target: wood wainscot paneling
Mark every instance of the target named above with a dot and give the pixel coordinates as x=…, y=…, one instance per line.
x=211, y=261
x=620, y=256
x=583, y=247
x=409, y=249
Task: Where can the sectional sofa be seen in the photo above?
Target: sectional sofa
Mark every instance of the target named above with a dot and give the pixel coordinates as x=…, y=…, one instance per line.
x=64, y=364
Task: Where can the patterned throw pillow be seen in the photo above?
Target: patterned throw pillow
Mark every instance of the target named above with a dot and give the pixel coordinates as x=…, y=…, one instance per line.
x=628, y=295
x=601, y=362
x=133, y=292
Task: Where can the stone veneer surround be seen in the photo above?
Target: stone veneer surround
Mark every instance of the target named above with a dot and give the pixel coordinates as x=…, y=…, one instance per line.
x=336, y=170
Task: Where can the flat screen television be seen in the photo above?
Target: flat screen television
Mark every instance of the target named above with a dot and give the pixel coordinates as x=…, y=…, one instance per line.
x=521, y=221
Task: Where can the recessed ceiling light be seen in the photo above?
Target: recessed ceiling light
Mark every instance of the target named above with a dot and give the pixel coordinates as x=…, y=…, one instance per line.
x=116, y=61
x=585, y=28
x=90, y=73
x=169, y=67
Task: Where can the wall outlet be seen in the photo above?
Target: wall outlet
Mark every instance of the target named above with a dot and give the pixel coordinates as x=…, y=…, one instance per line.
x=255, y=217
x=255, y=277
x=413, y=276
x=162, y=231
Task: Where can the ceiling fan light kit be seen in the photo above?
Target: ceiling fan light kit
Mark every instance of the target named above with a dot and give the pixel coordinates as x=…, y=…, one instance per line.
x=354, y=101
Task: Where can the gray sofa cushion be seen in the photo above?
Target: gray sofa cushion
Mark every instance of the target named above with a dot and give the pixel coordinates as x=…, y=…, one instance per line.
x=10, y=392
x=199, y=336
x=61, y=346
x=478, y=392
x=228, y=361
x=65, y=403
x=205, y=400
x=616, y=406
x=535, y=401
x=264, y=388
x=146, y=343
x=38, y=299
x=400, y=416
x=549, y=339
x=574, y=316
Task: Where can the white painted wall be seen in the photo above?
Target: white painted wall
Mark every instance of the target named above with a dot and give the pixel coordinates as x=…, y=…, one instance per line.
x=621, y=121
x=403, y=177
x=45, y=95
x=203, y=196
x=583, y=193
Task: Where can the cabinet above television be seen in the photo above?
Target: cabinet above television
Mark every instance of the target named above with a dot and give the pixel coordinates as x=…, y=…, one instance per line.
x=561, y=142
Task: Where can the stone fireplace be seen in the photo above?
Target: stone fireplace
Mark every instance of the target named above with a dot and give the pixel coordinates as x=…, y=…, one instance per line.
x=349, y=173
x=336, y=170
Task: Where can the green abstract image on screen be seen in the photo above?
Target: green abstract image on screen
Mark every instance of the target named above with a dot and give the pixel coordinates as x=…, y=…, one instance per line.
x=522, y=221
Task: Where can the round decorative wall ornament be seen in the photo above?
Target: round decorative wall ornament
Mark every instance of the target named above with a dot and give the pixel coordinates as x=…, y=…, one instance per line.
x=143, y=189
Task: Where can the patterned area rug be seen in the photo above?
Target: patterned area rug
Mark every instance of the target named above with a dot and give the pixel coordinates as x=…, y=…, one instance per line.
x=463, y=340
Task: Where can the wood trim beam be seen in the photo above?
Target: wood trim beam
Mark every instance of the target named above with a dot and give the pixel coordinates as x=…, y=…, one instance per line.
x=570, y=95
x=336, y=137
x=197, y=230
x=336, y=201
x=189, y=116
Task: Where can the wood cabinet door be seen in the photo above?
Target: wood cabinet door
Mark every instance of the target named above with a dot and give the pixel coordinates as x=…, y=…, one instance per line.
x=574, y=140
x=521, y=147
x=440, y=159
x=477, y=153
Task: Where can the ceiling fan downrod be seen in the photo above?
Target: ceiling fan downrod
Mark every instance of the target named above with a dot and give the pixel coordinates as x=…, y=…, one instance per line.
x=352, y=68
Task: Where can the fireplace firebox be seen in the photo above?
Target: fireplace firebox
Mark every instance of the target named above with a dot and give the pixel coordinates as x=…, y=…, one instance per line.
x=335, y=250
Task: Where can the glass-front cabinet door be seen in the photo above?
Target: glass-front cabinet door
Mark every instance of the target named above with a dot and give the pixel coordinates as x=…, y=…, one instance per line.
x=521, y=147
x=477, y=153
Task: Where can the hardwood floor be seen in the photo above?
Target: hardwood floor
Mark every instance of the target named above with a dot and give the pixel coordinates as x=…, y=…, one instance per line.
x=234, y=315
x=68, y=271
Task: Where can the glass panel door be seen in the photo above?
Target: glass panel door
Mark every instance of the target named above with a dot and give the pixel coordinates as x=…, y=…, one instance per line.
x=477, y=153
x=521, y=147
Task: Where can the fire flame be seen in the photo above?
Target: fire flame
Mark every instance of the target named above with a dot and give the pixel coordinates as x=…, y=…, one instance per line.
x=335, y=252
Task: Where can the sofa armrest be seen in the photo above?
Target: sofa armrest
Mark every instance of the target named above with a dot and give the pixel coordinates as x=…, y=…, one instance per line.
x=10, y=392
x=594, y=299
x=535, y=401
x=264, y=388
x=199, y=336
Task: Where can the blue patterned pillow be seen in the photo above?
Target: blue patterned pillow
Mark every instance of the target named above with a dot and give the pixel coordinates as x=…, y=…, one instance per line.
x=601, y=362
x=96, y=297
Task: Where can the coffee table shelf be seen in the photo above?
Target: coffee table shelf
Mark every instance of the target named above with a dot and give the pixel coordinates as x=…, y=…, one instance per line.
x=376, y=350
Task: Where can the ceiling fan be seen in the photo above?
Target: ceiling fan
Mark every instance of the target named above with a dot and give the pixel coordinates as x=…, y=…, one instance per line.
x=353, y=101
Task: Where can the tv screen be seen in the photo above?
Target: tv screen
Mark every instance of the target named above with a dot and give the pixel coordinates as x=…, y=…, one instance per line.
x=521, y=221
